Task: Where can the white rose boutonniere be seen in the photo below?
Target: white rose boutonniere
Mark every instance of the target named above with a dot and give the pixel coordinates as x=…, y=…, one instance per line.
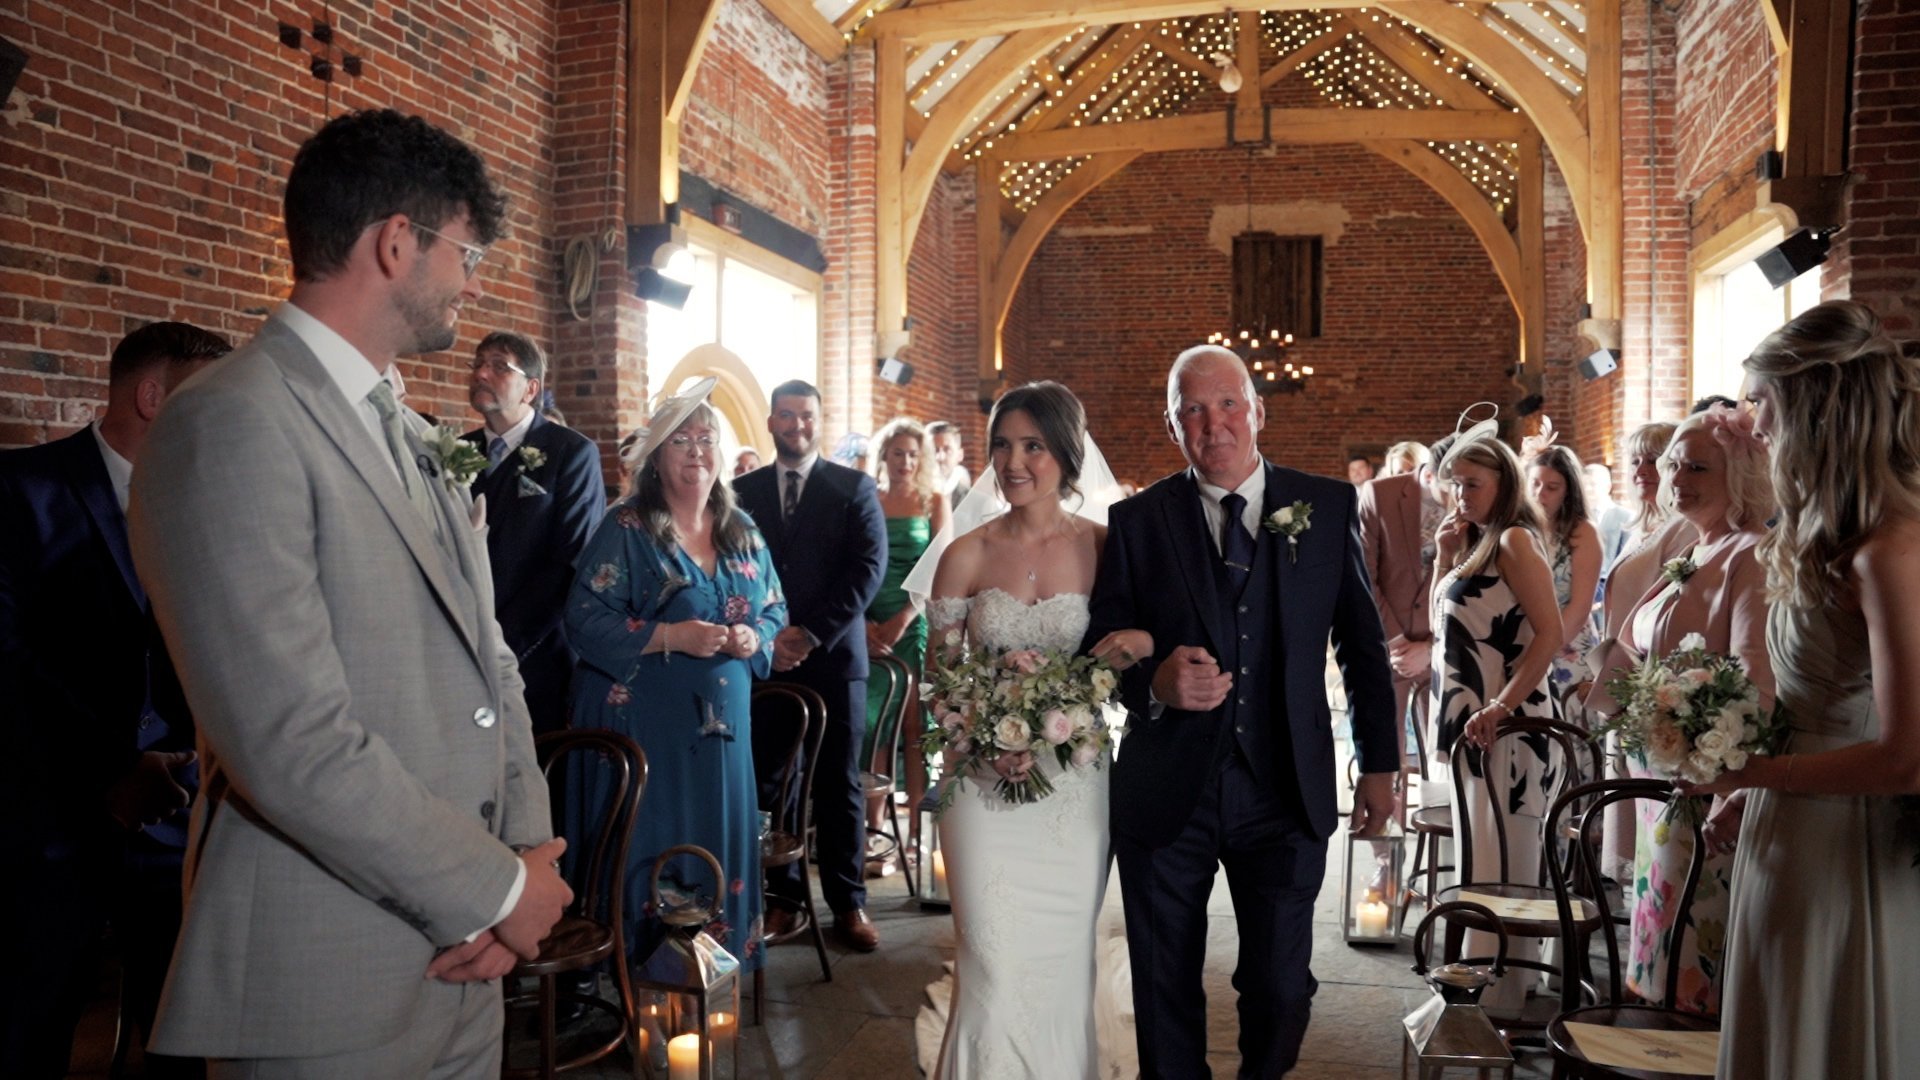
x=531, y=457
x=1290, y=522
x=459, y=460
x=1678, y=570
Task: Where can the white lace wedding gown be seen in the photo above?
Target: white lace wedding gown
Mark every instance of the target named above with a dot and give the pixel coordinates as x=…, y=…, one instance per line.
x=1027, y=884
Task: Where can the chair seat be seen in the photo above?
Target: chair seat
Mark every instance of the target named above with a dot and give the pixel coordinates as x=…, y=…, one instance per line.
x=575, y=943
x=1586, y=916
x=876, y=783
x=1636, y=1017
x=1437, y=820
x=780, y=849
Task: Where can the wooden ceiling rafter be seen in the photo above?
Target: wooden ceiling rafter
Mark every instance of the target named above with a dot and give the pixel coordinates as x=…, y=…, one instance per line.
x=1408, y=52
x=1293, y=61
x=953, y=19
x=1207, y=130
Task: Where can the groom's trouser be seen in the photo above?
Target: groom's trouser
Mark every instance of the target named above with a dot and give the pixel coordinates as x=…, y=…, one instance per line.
x=455, y=1035
x=1274, y=867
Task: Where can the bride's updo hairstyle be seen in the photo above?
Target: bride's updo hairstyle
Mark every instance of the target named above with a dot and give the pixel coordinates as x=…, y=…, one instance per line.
x=1061, y=420
x=1845, y=439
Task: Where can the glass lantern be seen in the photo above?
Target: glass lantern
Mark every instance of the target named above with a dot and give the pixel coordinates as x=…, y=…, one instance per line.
x=1370, y=891
x=933, y=864
x=688, y=991
x=1450, y=1033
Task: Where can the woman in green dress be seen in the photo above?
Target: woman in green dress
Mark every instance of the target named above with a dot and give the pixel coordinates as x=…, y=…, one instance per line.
x=916, y=512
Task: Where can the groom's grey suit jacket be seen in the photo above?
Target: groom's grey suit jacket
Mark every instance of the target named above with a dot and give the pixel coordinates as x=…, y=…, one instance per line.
x=366, y=753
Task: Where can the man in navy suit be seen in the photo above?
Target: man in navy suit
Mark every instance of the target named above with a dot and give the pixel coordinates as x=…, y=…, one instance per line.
x=828, y=537
x=1229, y=758
x=95, y=820
x=544, y=498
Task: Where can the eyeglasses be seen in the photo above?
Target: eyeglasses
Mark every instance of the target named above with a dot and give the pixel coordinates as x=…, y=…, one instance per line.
x=470, y=254
x=499, y=365
x=686, y=444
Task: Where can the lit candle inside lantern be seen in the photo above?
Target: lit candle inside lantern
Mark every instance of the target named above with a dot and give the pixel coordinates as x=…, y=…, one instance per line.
x=939, y=874
x=683, y=1057
x=1372, y=918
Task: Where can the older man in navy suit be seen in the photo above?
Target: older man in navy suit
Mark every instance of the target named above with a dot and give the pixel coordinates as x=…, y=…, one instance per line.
x=544, y=498
x=828, y=537
x=1229, y=758
x=95, y=820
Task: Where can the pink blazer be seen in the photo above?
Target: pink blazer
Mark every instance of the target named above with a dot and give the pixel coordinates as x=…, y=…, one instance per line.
x=1725, y=601
x=1389, y=511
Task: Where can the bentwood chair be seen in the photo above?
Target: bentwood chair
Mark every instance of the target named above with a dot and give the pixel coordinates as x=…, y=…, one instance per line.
x=1617, y=1011
x=789, y=720
x=593, y=929
x=878, y=779
x=1586, y=917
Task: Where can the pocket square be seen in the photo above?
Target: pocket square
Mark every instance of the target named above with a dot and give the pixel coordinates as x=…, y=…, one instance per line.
x=528, y=487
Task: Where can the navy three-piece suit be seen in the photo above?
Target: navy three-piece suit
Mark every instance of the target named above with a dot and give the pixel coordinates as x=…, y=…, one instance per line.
x=88, y=687
x=1249, y=785
x=539, y=519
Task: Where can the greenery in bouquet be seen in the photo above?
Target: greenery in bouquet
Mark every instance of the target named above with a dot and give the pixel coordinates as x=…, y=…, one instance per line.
x=985, y=704
x=1693, y=715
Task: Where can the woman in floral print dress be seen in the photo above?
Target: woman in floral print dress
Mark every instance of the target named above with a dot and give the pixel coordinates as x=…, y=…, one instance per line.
x=673, y=613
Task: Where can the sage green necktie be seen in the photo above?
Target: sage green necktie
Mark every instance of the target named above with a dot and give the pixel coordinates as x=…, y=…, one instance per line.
x=411, y=477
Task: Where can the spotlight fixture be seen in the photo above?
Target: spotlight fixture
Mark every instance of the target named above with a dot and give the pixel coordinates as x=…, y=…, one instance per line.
x=1796, y=255
x=661, y=263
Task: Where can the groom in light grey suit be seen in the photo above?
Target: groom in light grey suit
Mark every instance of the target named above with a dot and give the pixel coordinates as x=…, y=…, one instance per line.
x=372, y=849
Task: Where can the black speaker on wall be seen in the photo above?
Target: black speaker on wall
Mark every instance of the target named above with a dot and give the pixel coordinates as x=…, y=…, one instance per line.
x=13, y=60
x=1796, y=255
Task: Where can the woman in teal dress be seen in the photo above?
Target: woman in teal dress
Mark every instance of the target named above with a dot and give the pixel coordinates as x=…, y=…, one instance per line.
x=673, y=613
x=916, y=512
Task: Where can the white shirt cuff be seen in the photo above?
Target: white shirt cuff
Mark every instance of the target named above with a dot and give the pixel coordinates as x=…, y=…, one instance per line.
x=513, y=897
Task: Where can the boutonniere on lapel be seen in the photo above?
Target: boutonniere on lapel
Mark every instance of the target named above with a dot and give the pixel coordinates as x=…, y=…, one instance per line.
x=459, y=461
x=1290, y=522
x=1679, y=570
x=531, y=458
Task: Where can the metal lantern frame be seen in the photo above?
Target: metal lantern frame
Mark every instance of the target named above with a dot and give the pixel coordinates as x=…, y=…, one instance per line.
x=934, y=894
x=690, y=986
x=1371, y=890
x=1450, y=1030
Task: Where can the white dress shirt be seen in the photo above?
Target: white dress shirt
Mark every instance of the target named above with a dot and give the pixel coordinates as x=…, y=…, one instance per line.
x=514, y=436
x=356, y=377
x=1253, y=489
x=119, y=469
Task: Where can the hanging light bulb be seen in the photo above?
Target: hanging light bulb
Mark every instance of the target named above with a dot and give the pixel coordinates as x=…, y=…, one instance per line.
x=1230, y=80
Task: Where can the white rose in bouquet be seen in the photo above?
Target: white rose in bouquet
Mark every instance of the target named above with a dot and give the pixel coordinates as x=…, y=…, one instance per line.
x=1713, y=745
x=1103, y=682
x=1692, y=642
x=1699, y=768
x=1086, y=753
x=1736, y=760
x=1081, y=717
x=1010, y=733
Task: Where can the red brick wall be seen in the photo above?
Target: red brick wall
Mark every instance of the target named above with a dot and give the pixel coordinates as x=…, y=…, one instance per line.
x=846, y=362
x=1416, y=324
x=942, y=299
x=1880, y=246
x=145, y=150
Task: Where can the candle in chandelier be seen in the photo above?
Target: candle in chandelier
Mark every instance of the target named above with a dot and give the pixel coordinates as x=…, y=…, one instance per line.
x=683, y=1057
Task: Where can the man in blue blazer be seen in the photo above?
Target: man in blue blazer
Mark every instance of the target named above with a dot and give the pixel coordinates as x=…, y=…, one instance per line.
x=95, y=813
x=828, y=537
x=1229, y=758
x=544, y=498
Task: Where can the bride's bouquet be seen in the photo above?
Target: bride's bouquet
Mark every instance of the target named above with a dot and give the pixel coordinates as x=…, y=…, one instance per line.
x=1693, y=715
x=985, y=704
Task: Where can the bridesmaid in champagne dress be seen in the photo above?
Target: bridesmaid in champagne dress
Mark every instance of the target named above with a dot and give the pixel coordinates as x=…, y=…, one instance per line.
x=1821, y=976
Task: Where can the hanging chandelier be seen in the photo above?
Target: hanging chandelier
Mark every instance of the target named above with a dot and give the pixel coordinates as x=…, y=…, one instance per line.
x=1261, y=347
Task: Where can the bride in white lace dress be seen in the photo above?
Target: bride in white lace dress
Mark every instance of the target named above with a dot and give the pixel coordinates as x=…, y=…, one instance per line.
x=1027, y=881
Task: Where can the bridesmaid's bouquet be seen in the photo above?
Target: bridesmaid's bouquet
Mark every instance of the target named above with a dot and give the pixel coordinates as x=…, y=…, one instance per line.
x=1693, y=715
x=985, y=704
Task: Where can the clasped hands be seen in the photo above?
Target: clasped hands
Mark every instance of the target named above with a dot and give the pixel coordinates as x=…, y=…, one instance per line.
x=150, y=793
x=704, y=639
x=791, y=647
x=494, y=952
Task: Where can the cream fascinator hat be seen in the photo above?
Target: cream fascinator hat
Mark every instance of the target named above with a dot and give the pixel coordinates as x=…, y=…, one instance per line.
x=667, y=417
x=1463, y=435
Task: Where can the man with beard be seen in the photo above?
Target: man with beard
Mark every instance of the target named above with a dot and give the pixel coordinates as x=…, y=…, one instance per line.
x=544, y=496
x=371, y=850
x=828, y=537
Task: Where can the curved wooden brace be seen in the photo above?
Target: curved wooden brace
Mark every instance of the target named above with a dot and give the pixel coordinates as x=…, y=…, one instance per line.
x=1544, y=104
x=1466, y=200
x=1034, y=228
x=988, y=78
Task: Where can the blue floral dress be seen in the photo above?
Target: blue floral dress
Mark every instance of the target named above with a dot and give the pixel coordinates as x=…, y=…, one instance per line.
x=690, y=715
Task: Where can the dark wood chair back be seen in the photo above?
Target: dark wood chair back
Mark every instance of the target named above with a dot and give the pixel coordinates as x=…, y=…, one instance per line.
x=1592, y=800
x=596, y=865
x=1563, y=737
x=900, y=687
x=789, y=720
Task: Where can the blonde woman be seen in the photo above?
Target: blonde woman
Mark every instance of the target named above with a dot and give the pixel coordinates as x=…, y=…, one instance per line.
x=1496, y=628
x=1405, y=457
x=916, y=511
x=1821, y=979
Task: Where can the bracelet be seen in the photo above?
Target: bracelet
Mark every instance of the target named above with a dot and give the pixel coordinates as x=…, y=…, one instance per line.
x=1504, y=707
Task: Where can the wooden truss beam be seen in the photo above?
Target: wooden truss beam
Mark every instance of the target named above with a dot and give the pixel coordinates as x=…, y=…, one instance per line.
x=1412, y=56
x=665, y=40
x=812, y=28
x=955, y=20
x=1208, y=131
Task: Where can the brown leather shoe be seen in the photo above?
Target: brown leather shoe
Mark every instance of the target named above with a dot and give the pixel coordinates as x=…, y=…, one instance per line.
x=856, y=931
x=779, y=922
